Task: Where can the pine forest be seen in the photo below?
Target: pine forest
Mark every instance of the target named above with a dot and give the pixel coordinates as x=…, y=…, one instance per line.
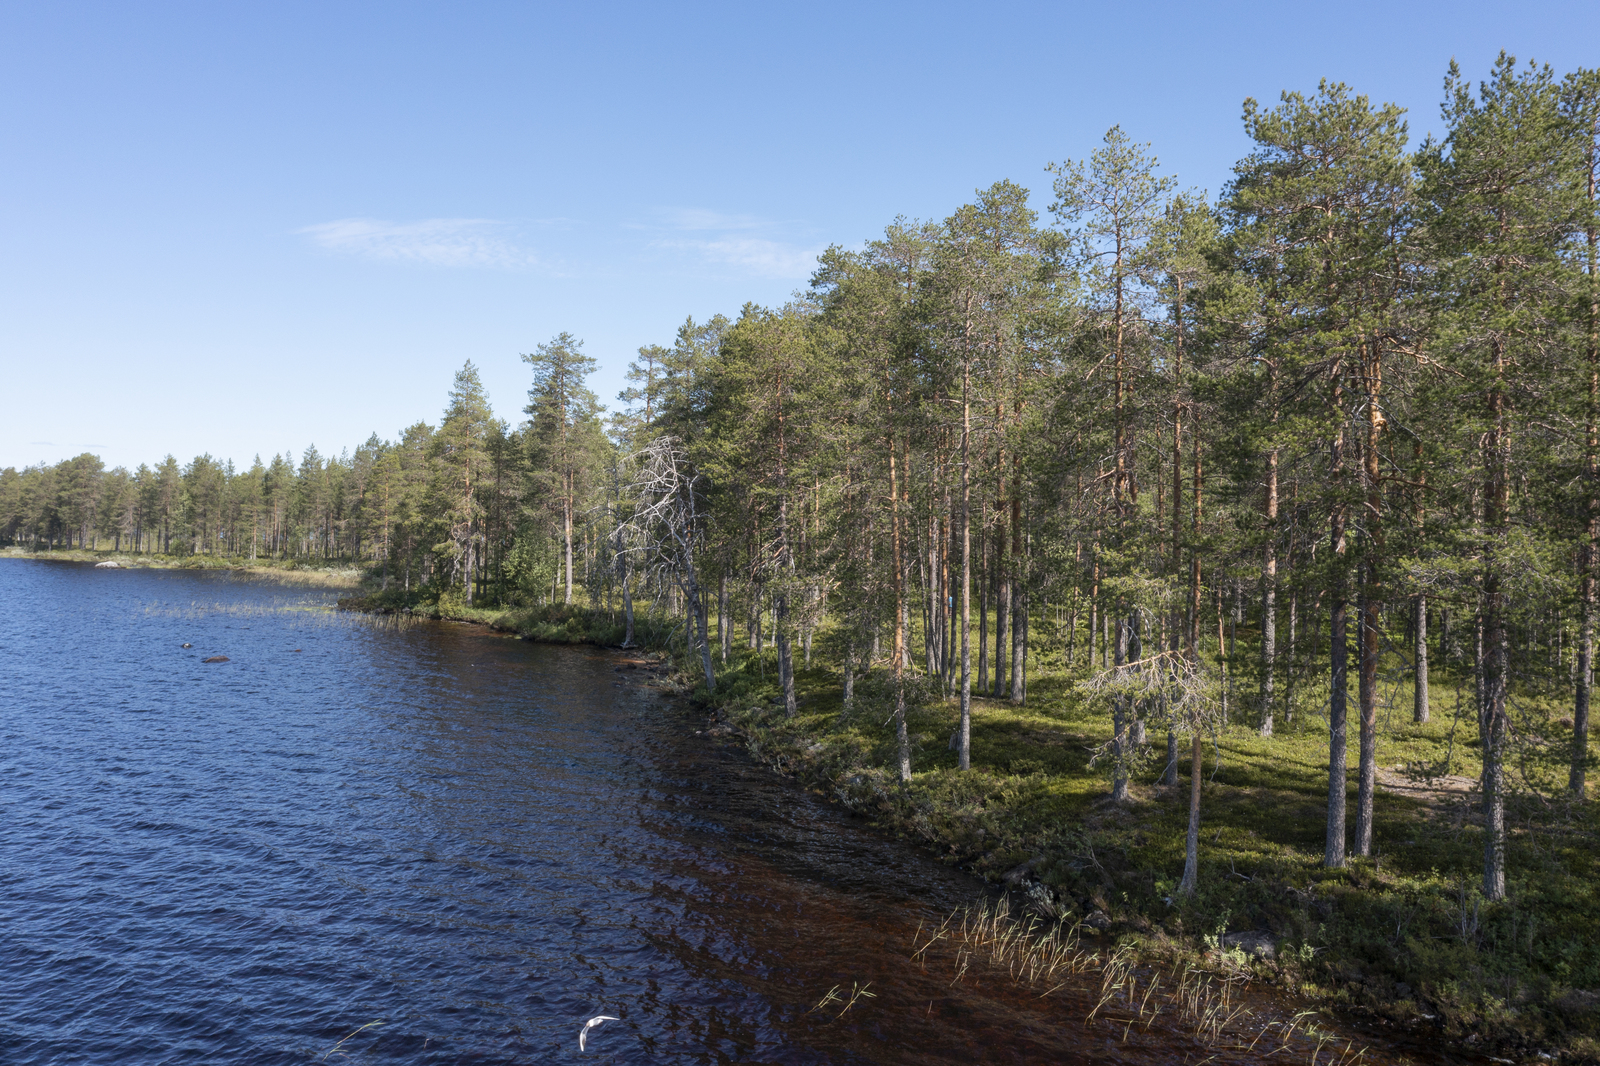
x=1250, y=538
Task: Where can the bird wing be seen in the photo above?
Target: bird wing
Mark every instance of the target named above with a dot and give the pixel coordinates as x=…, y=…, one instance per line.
x=583, y=1034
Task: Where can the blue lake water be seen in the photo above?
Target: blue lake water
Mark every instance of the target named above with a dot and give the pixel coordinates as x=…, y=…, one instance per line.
x=464, y=843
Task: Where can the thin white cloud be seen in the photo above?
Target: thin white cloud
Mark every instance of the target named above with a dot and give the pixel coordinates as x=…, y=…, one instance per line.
x=748, y=243
x=444, y=242
x=699, y=218
x=757, y=255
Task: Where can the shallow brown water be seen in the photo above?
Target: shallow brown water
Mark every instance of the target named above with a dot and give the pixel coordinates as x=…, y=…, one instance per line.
x=474, y=842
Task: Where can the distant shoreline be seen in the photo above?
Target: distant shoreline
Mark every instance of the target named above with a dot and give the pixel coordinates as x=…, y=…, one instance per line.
x=289, y=574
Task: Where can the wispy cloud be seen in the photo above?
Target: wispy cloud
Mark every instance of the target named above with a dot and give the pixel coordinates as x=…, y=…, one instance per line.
x=699, y=218
x=443, y=242
x=773, y=259
x=748, y=243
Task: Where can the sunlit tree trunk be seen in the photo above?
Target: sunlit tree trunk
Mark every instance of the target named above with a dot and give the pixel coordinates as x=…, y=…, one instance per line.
x=1493, y=722
x=1419, y=683
x=902, y=738
x=1590, y=554
x=566, y=527
x=1019, y=586
x=965, y=746
x=1269, y=597
x=1191, y=850
x=1338, y=660
x=1371, y=598
x=983, y=607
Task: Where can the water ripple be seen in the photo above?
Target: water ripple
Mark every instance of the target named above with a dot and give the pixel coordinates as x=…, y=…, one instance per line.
x=476, y=842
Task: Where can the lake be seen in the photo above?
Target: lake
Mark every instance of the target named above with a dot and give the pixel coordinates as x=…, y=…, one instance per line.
x=364, y=841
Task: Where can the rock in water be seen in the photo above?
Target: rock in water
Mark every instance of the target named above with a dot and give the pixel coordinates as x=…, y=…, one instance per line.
x=216, y=659
x=1041, y=899
x=109, y=565
x=1257, y=942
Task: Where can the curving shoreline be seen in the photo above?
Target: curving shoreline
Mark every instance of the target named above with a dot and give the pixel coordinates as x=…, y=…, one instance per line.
x=978, y=822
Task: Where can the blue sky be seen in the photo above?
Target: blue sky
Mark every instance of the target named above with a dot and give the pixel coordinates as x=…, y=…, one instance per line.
x=244, y=229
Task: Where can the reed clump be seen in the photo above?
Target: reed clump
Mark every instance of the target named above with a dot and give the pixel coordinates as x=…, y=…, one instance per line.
x=836, y=996
x=1207, y=1005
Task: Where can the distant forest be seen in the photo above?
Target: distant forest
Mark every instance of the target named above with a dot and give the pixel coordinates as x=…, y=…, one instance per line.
x=1345, y=416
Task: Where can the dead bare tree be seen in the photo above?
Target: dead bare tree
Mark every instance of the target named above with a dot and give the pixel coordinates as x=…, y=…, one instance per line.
x=1188, y=694
x=667, y=518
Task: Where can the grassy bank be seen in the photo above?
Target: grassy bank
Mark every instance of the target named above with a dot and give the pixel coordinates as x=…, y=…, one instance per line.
x=552, y=624
x=1404, y=936
x=290, y=571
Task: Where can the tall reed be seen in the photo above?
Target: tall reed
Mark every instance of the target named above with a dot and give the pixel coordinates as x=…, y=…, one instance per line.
x=1203, y=1004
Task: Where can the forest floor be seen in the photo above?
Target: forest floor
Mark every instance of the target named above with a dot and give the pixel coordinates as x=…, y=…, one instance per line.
x=290, y=572
x=1403, y=936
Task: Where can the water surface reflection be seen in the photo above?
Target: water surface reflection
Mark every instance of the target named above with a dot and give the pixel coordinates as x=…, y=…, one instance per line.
x=477, y=842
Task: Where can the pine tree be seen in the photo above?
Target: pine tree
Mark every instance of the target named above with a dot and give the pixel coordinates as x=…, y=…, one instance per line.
x=459, y=449
x=1110, y=211
x=1315, y=211
x=564, y=434
x=1502, y=205
x=1580, y=108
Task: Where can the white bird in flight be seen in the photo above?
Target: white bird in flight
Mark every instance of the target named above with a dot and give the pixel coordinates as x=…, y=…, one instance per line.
x=583, y=1034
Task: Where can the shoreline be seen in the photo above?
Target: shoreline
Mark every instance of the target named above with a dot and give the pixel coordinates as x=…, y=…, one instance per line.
x=810, y=750
x=290, y=573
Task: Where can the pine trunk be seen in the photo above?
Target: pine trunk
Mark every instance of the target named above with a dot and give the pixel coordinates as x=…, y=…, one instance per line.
x=1338, y=661
x=902, y=738
x=1269, y=599
x=1419, y=681
x=966, y=573
x=1191, y=849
